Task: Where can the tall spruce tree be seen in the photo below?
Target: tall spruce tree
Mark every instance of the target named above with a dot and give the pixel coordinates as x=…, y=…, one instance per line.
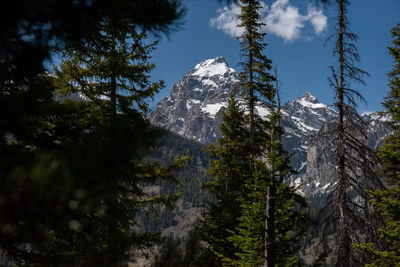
x=387, y=201
x=355, y=161
x=260, y=240
x=230, y=169
x=254, y=77
x=271, y=223
x=256, y=80
x=111, y=74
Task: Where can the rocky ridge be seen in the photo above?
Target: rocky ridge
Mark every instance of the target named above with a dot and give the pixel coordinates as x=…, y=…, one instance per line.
x=194, y=110
x=195, y=104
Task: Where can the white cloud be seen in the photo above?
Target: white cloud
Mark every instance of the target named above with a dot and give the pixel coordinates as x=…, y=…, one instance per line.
x=284, y=20
x=281, y=18
x=227, y=20
x=317, y=18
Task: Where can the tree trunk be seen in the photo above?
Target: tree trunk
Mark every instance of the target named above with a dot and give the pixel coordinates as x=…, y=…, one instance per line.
x=343, y=259
x=269, y=241
x=251, y=102
x=113, y=86
x=113, y=98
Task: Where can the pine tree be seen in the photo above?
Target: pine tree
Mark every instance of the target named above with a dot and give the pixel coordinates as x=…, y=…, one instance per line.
x=112, y=74
x=57, y=206
x=355, y=161
x=229, y=167
x=260, y=239
x=271, y=223
x=387, y=201
x=254, y=76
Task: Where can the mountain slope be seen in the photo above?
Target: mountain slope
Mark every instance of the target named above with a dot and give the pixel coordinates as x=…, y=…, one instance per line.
x=195, y=106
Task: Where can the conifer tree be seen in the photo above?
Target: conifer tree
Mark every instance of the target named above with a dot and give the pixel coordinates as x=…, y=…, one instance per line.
x=259, y=238
x=59, y=203
x=254, y=67
x=271, y=224
x=230, y=169
x=111, y=73
x=387, y=201
x=355, y=161
x=254, y=77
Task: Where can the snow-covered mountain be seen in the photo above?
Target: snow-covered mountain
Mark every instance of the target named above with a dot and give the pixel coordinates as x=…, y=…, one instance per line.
x=194, y=106
x=194, y=110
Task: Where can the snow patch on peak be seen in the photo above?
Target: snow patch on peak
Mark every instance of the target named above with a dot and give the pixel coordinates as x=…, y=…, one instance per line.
x=368, y=113
x=212, y=67
x=309, y=97
x=309, y=104
x=262, y=111
x=377, y=116
x=309, y=101
x=213, y=109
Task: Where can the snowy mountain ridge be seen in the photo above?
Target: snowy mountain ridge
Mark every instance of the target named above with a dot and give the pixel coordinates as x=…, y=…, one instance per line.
x=194, y=110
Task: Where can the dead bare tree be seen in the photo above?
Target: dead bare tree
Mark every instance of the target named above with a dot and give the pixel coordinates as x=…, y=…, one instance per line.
x=355, y=162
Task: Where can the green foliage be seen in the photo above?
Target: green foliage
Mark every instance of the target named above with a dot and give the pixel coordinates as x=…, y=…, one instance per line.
x=255, y=66
x=269, y=219
x=387, y=201
x=72, y=171
x=250, y=199
x=188, y=254
x=117, y=70
x=229, y=167
x=113, y=78
x=254, y=78
x=190, y=178
x=290, y=223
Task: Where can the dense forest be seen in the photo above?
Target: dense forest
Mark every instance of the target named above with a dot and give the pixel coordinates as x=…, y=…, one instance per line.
x=86, y=180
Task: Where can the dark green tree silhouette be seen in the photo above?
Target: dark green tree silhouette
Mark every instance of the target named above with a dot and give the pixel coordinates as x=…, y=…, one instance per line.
x=172, y=253
x=72, y=174
x=111, y=74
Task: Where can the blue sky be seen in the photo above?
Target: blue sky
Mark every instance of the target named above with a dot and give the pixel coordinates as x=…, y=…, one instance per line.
x=296, y=33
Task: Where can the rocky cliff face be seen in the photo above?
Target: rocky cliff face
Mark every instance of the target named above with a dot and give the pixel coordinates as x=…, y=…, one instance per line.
x=196, y=103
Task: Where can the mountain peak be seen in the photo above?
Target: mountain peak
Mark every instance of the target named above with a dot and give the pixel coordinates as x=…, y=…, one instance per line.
x=308, y=101
x=212, y=67
x=309, y=98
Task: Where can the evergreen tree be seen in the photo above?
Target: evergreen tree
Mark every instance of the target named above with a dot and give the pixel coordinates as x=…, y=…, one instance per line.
x=255, y=80
x=64, y=201
x=229, y=167
x=271, y=223
x=255, y=77
x=387, y=201
x=112, y=74
x=31, y=32
x=172, y=253
x=260, y=239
